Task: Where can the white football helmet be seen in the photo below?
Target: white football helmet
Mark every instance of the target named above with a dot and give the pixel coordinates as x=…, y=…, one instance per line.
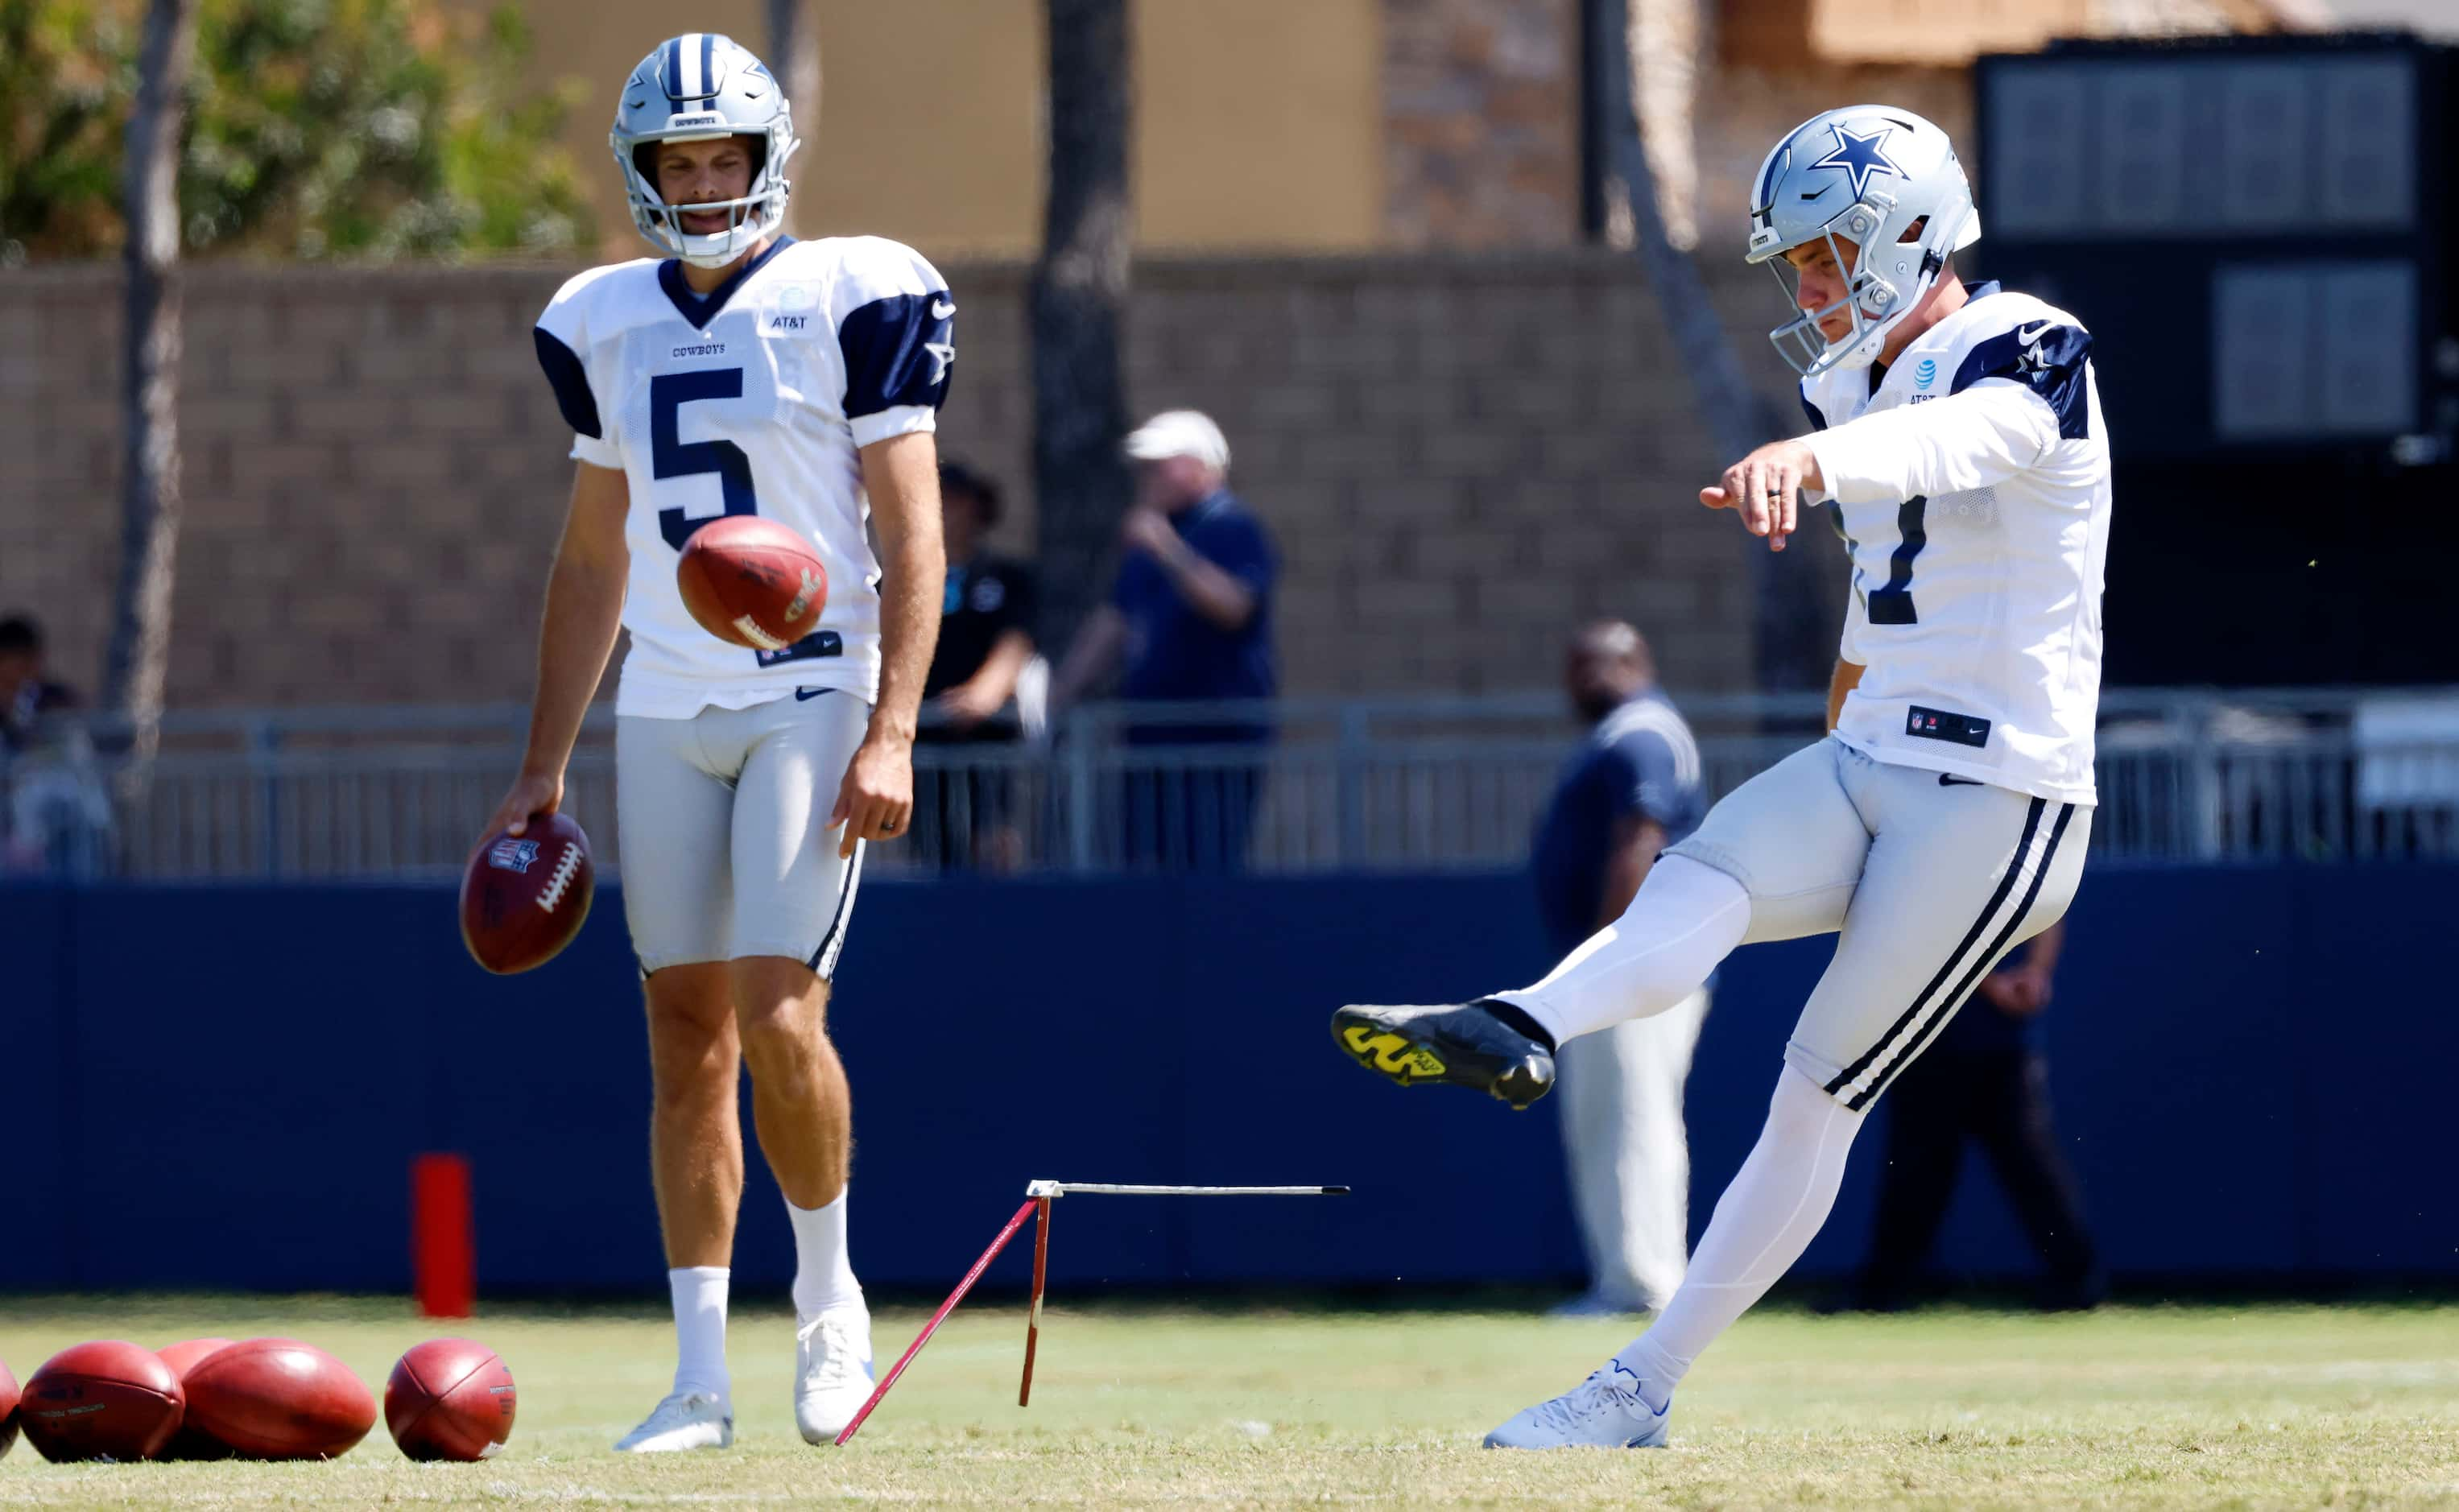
x=1869, y=173
x=701, y=87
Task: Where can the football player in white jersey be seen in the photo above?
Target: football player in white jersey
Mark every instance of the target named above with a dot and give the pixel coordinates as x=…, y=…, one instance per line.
x=745, y=373
x=1944, y=819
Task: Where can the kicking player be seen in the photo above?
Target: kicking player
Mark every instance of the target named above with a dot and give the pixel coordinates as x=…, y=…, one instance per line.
x=748, y=373
x=1943, y=821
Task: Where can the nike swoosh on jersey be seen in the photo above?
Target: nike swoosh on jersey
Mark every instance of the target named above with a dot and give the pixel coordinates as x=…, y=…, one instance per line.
x=803, y=695
x=941, y=309
x=2031, y=334
x=1947, y=781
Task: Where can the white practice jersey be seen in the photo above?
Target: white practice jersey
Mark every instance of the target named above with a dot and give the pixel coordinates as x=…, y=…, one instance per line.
x=1972, y=488
x=755, y=400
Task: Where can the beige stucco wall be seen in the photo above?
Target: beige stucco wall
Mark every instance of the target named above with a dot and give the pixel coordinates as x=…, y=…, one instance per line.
x=1258, y=123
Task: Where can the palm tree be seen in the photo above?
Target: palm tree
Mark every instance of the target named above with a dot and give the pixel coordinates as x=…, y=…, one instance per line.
x=141, y=633
x=794, y=54
x=1078, y=310
x=1661, y=49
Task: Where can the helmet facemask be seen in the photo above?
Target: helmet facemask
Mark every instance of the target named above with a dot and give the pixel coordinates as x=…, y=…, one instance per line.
x=1878, y=292
x=758, y=213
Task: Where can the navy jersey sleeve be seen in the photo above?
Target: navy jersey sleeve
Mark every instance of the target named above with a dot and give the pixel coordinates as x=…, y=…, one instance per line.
x=898, y=354
x=2048, y=358
x=896, y=332
x=560, y=338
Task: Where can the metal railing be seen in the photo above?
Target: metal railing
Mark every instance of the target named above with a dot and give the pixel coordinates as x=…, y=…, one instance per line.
x=2186, y=776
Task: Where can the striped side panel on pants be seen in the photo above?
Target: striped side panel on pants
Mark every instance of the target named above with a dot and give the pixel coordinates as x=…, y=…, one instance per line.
x=824, y=960
x=1860, y=1083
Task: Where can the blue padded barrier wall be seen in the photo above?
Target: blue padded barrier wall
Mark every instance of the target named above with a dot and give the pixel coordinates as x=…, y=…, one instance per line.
x=224, y=1088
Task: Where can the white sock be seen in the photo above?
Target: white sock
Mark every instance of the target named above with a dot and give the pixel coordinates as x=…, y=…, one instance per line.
x=700, y=1330
x=823, y=1274
x=1763, y=1223
x=1687, y=918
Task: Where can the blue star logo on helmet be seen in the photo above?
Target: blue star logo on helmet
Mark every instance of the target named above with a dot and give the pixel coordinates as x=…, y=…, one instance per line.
x=1860, y=157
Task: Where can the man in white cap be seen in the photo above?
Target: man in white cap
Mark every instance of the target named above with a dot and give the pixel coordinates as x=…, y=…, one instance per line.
x=1189, y=619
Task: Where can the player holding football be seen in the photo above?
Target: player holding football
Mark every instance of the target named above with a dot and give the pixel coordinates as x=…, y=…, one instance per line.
x=1943, y=821
x=748, y=373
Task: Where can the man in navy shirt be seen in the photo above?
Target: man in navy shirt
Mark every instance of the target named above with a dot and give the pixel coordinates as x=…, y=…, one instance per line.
x=1632, y=789
x=1190, y=620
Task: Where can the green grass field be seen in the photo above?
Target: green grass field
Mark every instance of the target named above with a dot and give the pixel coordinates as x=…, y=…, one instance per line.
x=2130, y=1407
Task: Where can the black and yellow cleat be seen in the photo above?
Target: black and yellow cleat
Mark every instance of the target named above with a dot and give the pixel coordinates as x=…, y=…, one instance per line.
x=1463, y=1044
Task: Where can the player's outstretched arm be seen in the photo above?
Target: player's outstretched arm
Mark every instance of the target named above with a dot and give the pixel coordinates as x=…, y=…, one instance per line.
x=1974, y=439
x=584, y=609
x=902, y=475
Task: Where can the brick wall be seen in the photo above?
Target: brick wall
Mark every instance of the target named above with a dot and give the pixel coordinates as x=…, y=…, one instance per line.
x=1460, y=457
x=1481, y=122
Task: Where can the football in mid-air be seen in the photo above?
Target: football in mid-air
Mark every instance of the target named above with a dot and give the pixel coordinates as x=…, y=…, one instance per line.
x=449, y=1398
x=192, y=1442
x=7, y=1411
x=524, y=896
x=103, y=1400
x=752, y=581
x=277, y=1398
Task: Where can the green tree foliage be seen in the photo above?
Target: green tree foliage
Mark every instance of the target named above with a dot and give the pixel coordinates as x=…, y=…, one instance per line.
x=316, y=129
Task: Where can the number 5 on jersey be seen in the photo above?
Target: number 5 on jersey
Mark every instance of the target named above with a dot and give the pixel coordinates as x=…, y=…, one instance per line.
x=670, y=456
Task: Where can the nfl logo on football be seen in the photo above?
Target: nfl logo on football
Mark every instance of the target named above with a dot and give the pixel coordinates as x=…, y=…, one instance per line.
x=512, y=855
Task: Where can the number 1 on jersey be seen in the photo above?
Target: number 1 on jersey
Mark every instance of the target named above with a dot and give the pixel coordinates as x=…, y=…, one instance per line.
x=671, y=457
x=1893, y=605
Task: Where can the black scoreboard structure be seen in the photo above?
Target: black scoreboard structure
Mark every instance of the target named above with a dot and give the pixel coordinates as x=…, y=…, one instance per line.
x=2260, y=235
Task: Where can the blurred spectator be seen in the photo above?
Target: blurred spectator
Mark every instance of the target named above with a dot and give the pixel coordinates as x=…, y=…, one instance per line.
x=1633, y=789
x=1189, y=619
x=57, y=815
x=26, y=695
x=970, y=696
x=1985, y=1080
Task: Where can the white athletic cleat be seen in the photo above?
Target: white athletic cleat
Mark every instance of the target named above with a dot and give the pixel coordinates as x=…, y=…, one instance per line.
x=1604, y=1411
x=684, y=1420
x=831, y=1372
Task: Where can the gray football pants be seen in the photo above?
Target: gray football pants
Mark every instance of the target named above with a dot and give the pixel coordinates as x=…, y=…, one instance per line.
x=1926, y=884
x=728, y=848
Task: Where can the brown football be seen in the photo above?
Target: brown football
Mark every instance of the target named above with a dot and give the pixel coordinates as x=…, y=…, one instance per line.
x=752, y=581
x=277, y=1398
x=104, y=1401
x=524, y=896
x=449, y=1398
x=192, y=1442
x=8, y=1410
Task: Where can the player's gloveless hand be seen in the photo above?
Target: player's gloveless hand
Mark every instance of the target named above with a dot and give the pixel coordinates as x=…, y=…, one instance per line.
x=532, y=794
x=875, y=800
x=1765, y=488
